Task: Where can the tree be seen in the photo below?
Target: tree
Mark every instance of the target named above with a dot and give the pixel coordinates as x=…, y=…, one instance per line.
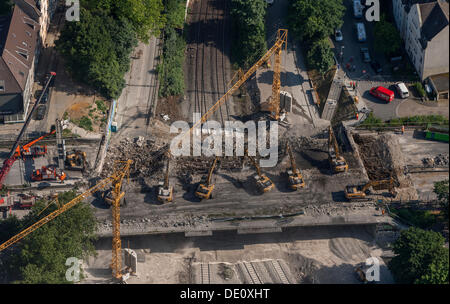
x=386, y=37
x=97, y=50
x=249, y=27
x=311, y=20
x=41, y=256
x=441, y=190
x=145, y=16
x=320, y=56
x=421, y=258
x=5, y=7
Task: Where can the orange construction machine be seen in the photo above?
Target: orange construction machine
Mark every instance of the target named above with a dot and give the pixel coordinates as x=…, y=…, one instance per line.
x=28, y=150
x=48, y=173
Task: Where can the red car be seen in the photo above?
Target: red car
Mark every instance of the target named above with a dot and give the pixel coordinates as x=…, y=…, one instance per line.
x=382, y=93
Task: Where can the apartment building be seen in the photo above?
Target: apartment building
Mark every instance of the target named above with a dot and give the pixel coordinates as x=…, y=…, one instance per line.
x=19, y=38
x=424, y=27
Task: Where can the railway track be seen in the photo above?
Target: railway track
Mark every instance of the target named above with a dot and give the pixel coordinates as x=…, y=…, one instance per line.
x=251, y=271
x=210, y=70
x=205, y=273
x=280, y=272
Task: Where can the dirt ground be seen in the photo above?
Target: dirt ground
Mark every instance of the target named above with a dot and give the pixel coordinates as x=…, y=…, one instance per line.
x=317, y=255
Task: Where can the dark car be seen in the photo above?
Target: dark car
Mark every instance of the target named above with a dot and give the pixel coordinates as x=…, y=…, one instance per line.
x=40, y=112
x=376, y=66
x=365, y=54
x=44, y=98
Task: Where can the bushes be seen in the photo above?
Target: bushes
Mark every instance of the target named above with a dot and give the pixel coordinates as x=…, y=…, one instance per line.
x=422, y=120
x=170, y=69
x=419, y=88
x=320, y=56
x=84, y=122
x=249, y=43
x=313, y=21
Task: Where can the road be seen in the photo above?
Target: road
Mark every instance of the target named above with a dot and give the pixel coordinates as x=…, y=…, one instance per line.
x=135, y=102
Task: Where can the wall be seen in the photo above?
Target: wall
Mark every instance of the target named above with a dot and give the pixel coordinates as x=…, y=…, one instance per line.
x=436, y=55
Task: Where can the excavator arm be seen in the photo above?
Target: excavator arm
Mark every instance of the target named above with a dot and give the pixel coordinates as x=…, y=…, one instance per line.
x=211, y=170
x=291, y=157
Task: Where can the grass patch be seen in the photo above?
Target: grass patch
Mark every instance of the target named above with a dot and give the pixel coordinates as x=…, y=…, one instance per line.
x=101, y=106
x=84, y=122
x=424, y=120
x=68, y=133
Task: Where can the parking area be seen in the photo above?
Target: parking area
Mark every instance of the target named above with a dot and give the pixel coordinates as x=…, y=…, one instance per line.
x=349, y=56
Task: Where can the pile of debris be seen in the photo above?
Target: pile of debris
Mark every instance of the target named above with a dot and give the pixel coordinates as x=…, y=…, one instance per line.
x=382, y=157
x=440, y=161
x=147, y=155
x=304, y=143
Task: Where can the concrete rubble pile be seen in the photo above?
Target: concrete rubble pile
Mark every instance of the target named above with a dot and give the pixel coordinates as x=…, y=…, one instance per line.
x=440, y=161
x=148, y=157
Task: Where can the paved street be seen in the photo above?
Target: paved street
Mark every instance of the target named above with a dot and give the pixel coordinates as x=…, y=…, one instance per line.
x=133, y=106
x=294, y=76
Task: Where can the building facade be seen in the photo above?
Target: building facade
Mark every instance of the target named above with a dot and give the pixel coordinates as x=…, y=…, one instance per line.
x=424, y=27
x=19, y=38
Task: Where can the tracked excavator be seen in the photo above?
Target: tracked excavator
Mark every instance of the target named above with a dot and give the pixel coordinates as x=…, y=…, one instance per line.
x=76, y=160
x=205, y=188
x=165, y=191
x=295, y=177
x=337, y=162
x=263, y=183
x=360, y=192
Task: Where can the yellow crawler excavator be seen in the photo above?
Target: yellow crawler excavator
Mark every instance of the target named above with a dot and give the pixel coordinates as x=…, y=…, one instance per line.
x=295, y=177
x=337, y=162
x=360, y=192
x=263, y=183
x=165, y=191
x=205, y=188
x=76, y=160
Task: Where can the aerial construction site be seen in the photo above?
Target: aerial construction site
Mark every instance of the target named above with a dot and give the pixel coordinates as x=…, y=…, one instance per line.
x=314, y=216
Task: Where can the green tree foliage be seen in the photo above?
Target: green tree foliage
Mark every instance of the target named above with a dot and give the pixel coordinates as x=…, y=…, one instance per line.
x=312, y=20
x=145, y=16
x=320, y=56
x=97, y=50
x=386, y=37
x=170, y=68
x=441, y=190
x=5, y=7
x=420, y=258
x=41, y=256
x=249, y=27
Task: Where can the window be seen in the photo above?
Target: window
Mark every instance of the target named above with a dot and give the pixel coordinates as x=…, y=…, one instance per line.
x=28, y=33
x=23, y=54
x=24, y=43
x=2, y=86
x=22, y=73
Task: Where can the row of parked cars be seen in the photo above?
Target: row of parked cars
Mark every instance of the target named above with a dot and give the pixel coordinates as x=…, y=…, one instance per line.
x=388, y=95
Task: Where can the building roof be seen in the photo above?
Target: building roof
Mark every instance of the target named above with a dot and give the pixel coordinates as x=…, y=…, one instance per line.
x=30, y=7
x=18, y=43
x=434, y=18
x=440, y=82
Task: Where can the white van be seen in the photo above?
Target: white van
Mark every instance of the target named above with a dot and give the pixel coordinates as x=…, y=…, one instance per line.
x=357, y=9
x=402, y=90
x=360, y=32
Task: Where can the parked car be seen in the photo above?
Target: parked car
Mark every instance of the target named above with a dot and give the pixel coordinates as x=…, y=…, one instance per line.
x=338, y=35
x=402, y=90
x=376, y=66
x=382, y=93
x=365, y=54
x=360, y=32
x=40, y=112
x=357, y=9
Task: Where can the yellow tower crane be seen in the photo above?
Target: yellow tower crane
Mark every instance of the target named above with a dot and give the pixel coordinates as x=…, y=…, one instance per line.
x=116, y=180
